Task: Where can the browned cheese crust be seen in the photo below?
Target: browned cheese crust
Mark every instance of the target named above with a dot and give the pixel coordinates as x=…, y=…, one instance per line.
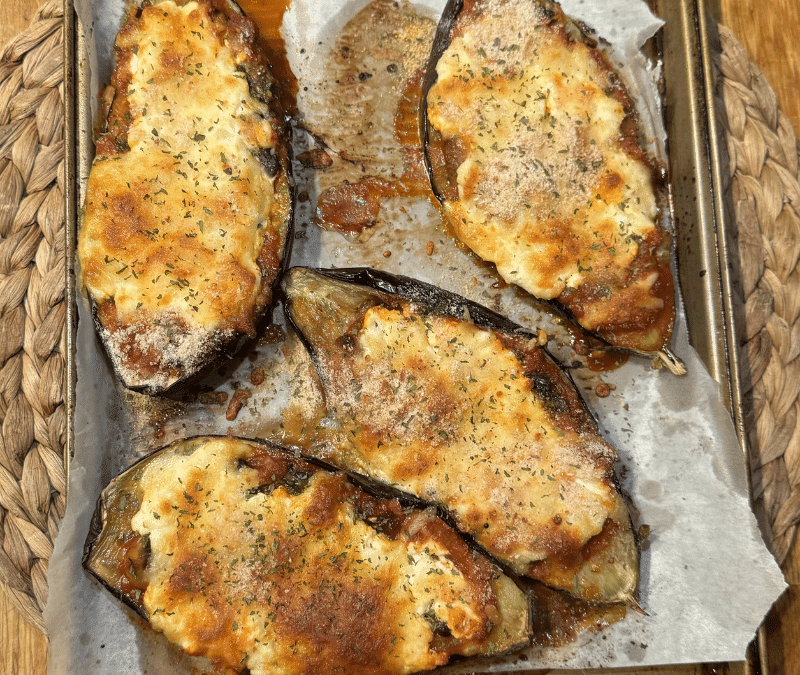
x=538, y=156
x=256, y=559
x=188, y=200
x=480, y=422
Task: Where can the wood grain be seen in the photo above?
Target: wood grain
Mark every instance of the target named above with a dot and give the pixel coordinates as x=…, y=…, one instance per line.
x=768, y=32
x=15, y=15
x=23, y=648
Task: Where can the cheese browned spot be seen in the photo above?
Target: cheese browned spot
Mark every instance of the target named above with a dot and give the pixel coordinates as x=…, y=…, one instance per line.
x=257, y=560
x=551, y=184
x=187, y=204
x=466, y=428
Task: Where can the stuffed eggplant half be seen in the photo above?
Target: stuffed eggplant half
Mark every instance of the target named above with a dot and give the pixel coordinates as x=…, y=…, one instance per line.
x=447, y=401
x=188, y=209
x=534, y=151
x=243, y=553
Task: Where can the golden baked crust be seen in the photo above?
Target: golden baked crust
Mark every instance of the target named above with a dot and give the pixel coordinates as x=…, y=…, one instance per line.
x=538, y=138
x=249, y=556
x=479, y=421
x=188, y=202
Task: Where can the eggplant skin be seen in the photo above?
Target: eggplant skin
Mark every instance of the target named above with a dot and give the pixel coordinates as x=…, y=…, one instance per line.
x=189, y=211
x=261, y=561
x=533, y=148
x=460, y=407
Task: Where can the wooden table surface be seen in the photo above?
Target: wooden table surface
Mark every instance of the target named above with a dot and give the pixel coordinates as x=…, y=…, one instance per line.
x=768, y=32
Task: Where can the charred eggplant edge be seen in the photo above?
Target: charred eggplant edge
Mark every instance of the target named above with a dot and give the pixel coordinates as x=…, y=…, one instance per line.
x=434, y=299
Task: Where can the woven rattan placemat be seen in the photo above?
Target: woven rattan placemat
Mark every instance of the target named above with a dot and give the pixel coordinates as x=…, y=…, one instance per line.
x=764, y=192
x=765, y=198
x=32, y=307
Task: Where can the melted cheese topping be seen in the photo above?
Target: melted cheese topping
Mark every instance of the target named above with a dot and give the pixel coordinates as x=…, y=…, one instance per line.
x=287, y=582
x=547, y=190
x=444, y=409
x=174, y=225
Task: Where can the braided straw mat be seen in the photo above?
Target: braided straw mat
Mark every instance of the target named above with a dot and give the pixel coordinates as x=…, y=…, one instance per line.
x=764, y=190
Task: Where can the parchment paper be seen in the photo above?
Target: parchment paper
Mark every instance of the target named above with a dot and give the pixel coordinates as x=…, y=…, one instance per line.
x=707, y=578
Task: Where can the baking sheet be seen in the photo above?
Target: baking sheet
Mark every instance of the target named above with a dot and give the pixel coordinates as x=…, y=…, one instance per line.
x=707, y=578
